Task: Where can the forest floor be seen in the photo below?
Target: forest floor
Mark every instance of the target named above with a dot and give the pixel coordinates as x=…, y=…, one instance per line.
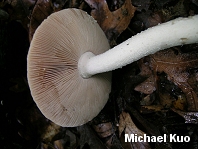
x=149, y=96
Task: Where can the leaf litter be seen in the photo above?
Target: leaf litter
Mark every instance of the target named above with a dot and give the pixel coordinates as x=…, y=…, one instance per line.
x=156, y=95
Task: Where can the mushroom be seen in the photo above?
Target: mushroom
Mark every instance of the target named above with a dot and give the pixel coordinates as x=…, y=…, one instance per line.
x=59, y=91
x=69, y=71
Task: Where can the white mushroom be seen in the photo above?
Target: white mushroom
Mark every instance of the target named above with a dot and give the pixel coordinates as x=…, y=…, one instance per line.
x=66, y=79
x=59, y=91
x=176, y=32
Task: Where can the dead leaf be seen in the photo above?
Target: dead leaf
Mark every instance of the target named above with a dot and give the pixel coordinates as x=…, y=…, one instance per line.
x=127, y=126
x=180, y=103
x=112, y=23
x=71, y=139
x=178, y=10
x=20, y=10
x=149, y=85
x=113, y=143
x=142, y=4
x=147, y=100
x=151, y=109
x=58, y=4
x=166, y=99
x=148, y=126
x=88, y=138
x=150, y=19
x=190, y=117
x=177, y=65
x=104, y=129
x=58, y=144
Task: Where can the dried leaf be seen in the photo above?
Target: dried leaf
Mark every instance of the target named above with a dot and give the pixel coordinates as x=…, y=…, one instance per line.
x=104, y=129
x=58, y=4
x=151, y=109
x=127, y=126
x=177, y=65
x=166, y=99
x=150, y=18
x=88, y=139
x=180, y=103
x=147, y=100
x=58, y=144
x=148, y=126
x=20, y=10
x=147, y=87
x=113, y=143
x=52, y=132
x=190, y=117
x=71, y=139
x=112, y=23
x=141, y=4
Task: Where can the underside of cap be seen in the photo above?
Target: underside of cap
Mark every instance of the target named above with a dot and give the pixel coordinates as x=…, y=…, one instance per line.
x=59, y=91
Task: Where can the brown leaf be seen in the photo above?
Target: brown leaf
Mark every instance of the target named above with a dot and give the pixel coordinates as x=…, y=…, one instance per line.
x=127, y=126
x=147, y=87
x=71, y=139
x=150, y=18
x=180, y=103
x=142, y=4
x=190, y=117
x=151, y=109
x=148, y=126
x=20, y=10
x=58, y=144
x=179, y=9
x=166, y=100
x=112, y=23
x=58, y=4
x=88, y=139
x=113, y=143
x=104, y=129
x=147, y=100
x=177, y=65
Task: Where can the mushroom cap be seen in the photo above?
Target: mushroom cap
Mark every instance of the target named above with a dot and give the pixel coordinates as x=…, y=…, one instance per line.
x=57, y=88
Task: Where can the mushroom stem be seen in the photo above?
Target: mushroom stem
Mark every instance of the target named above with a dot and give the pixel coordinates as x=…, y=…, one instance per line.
x=173, y=33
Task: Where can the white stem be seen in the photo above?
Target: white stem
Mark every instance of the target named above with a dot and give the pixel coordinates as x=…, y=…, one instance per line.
x=173, y=33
